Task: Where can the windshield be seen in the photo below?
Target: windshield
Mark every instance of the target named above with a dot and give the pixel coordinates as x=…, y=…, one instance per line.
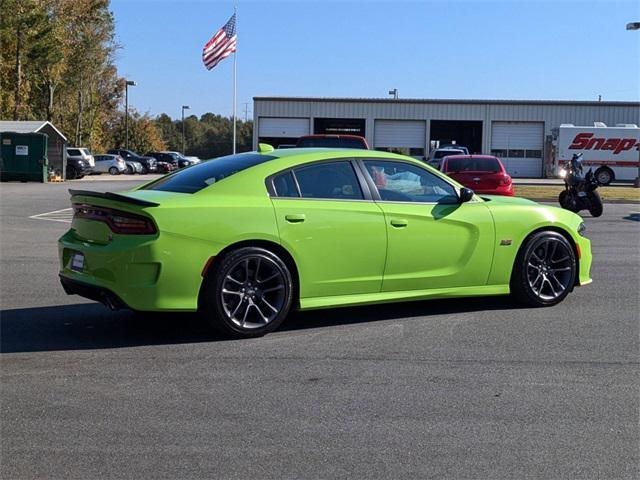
x=444, y=153
x=473, y=165
x=201, y=175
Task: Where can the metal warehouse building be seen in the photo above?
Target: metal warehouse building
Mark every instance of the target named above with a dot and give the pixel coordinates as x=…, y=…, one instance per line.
x=520, y=132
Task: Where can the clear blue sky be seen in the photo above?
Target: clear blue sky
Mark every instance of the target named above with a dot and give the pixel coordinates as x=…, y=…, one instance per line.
x=430, y=49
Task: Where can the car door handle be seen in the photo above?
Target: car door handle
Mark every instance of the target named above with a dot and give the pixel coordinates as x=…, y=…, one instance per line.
x=399, y=222
x=295, y=217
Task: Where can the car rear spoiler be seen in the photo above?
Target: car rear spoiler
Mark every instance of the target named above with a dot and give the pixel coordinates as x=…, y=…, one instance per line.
x=114, y=196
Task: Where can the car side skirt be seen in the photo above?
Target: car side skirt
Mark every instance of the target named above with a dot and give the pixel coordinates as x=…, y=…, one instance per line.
x=400, y=296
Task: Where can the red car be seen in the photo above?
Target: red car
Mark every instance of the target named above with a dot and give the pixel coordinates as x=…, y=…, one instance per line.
x=481, y=173
x=332, y=141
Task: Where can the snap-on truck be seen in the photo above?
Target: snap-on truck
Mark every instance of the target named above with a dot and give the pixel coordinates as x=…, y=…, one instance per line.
x=612, y=152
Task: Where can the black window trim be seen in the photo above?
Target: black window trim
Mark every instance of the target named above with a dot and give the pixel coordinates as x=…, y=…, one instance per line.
x=374, y=189
x=362, y=181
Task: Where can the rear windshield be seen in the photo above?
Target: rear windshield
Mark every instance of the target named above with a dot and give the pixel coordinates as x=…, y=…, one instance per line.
x=201, y=175
x=444, y=153
x=331, y=142
x=473, y=165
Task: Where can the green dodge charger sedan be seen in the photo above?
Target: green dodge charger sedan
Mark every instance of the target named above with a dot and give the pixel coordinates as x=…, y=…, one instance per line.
x=246, y=238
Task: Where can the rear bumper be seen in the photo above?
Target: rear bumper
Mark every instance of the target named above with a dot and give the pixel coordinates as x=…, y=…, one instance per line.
x=92, y=292
x=138, y=272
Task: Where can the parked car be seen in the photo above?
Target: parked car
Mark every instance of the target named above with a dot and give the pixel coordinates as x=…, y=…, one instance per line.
x=113, y=164
x=436, y=156
x=83, y=154
x=332, y=141
x=455, y=146
x=133, y=167
x=482, y=173
x=193, y=158
x=77, y=168
x=171, y=157
x=246, y=238
x=148, y=163
x=166, y=167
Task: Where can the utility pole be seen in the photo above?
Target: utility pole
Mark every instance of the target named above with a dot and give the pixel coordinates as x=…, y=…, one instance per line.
x=636, y=26
x=184, y=107
x=127, y=84
x=246, y=111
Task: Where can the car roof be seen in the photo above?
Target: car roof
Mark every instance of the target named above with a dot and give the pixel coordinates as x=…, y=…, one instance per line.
x=473, y=156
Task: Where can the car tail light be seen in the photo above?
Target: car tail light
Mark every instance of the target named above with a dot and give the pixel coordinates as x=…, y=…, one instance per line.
x=505, y=179
x=118, y=221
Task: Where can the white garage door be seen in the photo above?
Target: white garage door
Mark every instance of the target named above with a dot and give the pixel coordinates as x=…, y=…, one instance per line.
x=399, y=134
x=519, y=146
x=283, y=127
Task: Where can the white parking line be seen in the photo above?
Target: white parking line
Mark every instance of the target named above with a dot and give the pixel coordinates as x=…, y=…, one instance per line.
x=65, y=215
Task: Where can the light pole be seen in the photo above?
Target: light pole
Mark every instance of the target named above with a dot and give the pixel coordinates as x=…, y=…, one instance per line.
x=127, y=84
x=636, y=26
x=394, y=92
x=184, y=107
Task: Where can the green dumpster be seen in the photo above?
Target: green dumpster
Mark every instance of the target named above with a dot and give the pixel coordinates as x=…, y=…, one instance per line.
x=23, y=157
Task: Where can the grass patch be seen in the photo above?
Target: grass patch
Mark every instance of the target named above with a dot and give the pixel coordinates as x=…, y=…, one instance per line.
x=551, y=192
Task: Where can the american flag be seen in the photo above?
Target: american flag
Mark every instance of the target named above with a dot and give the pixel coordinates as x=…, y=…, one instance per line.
x=221, y=45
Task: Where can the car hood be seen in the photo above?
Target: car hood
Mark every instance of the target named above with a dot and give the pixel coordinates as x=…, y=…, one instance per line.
x=506, y=200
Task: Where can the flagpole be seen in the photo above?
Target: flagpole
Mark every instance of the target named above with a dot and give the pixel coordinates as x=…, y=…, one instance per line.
x=234, y=85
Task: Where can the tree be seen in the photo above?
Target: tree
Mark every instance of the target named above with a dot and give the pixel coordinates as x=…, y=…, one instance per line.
x=144, y=136
x=209, y=136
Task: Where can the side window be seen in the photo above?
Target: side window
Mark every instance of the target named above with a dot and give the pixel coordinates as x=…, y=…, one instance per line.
x=403, y=182
x=285, y=186
x=329, y=180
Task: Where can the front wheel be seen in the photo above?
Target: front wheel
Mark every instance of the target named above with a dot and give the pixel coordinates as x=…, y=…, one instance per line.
x=72, y=173
x=544, y=271
x=567, y=201
x=249, y=293
x=595, y=202
x=114, y=171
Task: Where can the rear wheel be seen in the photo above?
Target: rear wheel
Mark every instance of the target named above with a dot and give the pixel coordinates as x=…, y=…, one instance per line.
x=130, y=170
x=604, y=175
x=544, y=271
x=249, y=294
x=596, y=204
x=114, y=171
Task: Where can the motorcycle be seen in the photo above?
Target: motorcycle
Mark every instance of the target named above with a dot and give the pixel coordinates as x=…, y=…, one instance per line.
x=580, y=192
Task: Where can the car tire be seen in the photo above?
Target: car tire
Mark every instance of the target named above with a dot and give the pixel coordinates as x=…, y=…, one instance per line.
x=114, y=171
x=72, y=173
x=248, y=293
x=604, y=175
x=144, y=171
x=544, y=271
x=130, y=170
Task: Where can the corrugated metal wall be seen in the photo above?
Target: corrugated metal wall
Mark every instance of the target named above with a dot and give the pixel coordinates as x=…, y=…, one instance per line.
x=552, y=114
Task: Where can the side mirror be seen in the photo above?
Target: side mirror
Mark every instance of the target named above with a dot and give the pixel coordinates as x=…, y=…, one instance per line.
x=466, y=194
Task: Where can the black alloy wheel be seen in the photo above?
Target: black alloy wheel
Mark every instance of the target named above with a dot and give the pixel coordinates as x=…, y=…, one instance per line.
x=249, y=293
x=545, y=270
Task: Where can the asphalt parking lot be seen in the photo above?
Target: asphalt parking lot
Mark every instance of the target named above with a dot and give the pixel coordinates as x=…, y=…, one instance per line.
x=458, y=389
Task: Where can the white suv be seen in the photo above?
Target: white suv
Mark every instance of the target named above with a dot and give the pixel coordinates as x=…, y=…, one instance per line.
x=436, y=156
x=82, y=154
